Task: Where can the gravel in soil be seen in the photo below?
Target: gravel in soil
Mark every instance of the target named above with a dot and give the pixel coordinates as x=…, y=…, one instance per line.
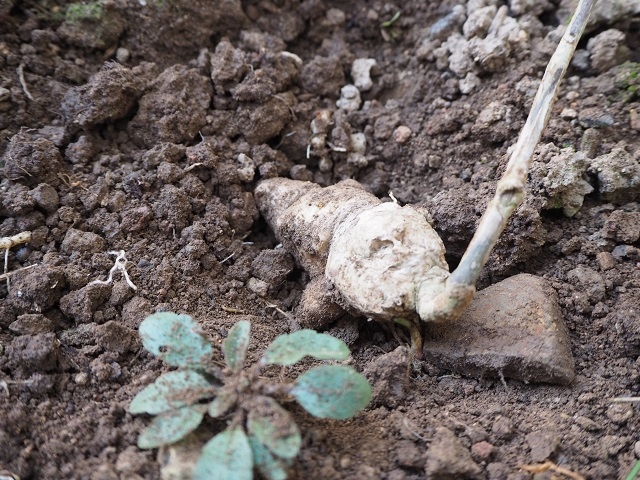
x=144, y=126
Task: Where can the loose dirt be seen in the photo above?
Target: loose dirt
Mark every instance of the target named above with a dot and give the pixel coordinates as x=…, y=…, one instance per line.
x=143, y=126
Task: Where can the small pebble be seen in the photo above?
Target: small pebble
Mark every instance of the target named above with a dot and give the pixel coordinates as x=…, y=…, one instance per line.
x=122, y=55
x=402, y=134
x=5, y=94
x=349, y=98
x=606, y=261
x=361, y=73
x=624, y=251
x=469, y=83
x=568, y=114
x=257, y=286
x=482, y=451
x=572, y=95
x=81, y=378
x=636, y=449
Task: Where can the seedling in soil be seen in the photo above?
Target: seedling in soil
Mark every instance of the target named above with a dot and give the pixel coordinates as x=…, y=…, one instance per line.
x=385, y=261
x=77, y=12
x=261, y=434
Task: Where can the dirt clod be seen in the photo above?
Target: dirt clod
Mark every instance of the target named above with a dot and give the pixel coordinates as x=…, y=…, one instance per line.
x=448, y=459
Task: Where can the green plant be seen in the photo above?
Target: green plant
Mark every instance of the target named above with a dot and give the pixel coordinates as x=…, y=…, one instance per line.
x=635, y=471
x=77, y=12
x=261, y=433
x=627, y=81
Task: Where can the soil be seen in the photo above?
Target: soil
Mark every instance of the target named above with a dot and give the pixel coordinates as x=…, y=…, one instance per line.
x=144, y=126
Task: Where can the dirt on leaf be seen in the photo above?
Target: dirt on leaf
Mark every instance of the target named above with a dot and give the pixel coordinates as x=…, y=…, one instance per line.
x=143, y=127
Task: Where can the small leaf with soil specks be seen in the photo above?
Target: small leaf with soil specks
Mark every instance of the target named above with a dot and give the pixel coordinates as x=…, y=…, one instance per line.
x=176, y=339
x=269, y=466
x=332, y=391
x=289, y=348
x=169, y=427
x=274, y=427
x=235, y=345
x=222, y=403
x=171, y=391
x=227, y=456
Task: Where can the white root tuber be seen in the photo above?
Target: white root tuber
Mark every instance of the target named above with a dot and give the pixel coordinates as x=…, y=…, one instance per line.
x=385, y=261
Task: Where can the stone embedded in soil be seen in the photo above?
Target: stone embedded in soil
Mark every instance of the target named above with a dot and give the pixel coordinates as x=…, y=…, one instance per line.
x=482, y=451
x=512, y=329
x=447, y=458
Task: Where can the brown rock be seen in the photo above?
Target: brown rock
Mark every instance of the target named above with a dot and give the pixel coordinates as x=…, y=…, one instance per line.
x=482, y=451
x=512, y=329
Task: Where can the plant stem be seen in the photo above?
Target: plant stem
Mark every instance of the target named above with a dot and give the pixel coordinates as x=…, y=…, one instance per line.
x=510, y=190
x=634, y=471
x=415, y=333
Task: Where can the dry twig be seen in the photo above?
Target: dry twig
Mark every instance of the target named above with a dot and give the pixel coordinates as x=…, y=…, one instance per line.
x=549, y=465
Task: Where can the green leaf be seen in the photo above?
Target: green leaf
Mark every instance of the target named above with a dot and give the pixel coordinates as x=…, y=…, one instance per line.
x=169, y=427
x=269, y=466
x=176, y=339
x=171, y=391
x=222, y=403
x=227, y=456
x=274, y=427
x=332, y=391
x=235, y=345
x=289, y=348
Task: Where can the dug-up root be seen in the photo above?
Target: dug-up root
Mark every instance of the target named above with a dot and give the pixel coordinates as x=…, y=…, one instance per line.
x=385, y=261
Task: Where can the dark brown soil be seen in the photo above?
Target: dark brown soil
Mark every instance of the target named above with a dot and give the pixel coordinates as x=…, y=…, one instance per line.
x=143, y=126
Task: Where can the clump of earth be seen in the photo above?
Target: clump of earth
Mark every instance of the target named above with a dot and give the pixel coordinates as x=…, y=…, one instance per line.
x=138, y=130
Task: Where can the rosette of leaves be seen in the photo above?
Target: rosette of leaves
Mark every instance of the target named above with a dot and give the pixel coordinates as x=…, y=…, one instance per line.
x=261, y=435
